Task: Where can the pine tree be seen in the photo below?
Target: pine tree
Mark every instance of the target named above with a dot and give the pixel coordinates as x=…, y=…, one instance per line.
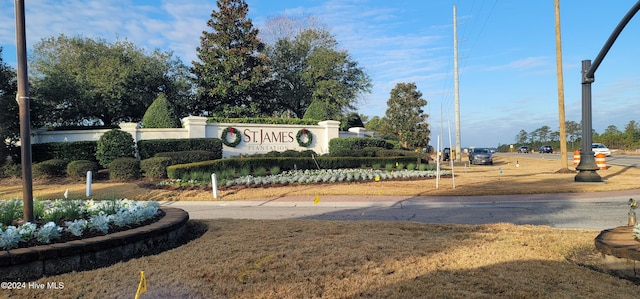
x=231, y=70
x=405, y=117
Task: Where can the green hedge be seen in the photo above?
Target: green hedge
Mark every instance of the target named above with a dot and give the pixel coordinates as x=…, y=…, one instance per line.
x=49, y=168
x=285, y=163
x=149, y=148
x=265, y=120
x=155, y=167
x=341, y=145
x=124, y=169
x=67, y=151
x=185, y=157
x=78, y=169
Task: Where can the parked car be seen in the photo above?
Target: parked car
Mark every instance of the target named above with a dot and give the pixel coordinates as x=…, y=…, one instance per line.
x=546, y=149
x=523, y=150
x=600, y=148
x=480, y=156
x=446, y=154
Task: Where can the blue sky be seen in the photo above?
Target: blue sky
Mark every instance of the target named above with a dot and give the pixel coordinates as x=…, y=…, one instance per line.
x=506, y=49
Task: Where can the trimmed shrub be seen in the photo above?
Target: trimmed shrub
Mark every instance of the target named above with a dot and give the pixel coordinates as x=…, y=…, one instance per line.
x=50, y=168
x=188, y=156
x=149, y=148
x=11, y=170
x=285, y=163
x=318, y=109
x=160, y=114
x=353, y=144
x=155, y=167
x=114, y=144
x=78, y=169
x=265, y=120
x=124, y=169
x=68, y=151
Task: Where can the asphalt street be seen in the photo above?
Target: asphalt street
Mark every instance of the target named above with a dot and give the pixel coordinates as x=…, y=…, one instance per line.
x=595, y=211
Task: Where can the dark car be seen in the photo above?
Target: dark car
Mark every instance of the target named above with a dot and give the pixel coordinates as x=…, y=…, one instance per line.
x=546, y=149
x=523, y=150
x=446, y=154
x=481, y=156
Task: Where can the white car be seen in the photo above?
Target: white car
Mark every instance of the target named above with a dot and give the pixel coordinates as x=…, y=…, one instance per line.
x=600, y=148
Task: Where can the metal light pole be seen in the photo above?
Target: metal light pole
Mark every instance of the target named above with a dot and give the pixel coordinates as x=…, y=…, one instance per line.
x=25, y=122
x=587, y=166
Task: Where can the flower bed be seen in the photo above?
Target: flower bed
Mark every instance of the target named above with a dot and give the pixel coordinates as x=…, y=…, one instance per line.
x=64, y=220
x=25, y=264
x=310, y=176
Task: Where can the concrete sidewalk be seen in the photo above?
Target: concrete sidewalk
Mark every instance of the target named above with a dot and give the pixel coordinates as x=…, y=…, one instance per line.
x=598, y=211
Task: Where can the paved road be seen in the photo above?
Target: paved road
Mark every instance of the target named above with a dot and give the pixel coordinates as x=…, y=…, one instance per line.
x=596, y=211
x=615, y=159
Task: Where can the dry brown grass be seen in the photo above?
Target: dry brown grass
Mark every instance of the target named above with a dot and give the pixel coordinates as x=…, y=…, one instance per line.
x=339, y=259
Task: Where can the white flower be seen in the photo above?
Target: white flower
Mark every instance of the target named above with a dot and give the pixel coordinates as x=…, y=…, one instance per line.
x=10, y=237
x=48, y=232
x=77, y=227
x=100, y=222
x=26, y=230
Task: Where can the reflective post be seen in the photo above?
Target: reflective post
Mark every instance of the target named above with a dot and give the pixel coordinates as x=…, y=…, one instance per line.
x=89, y=179
x=214, y=185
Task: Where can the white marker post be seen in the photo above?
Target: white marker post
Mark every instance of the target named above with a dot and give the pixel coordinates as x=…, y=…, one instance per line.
x=214, y=185
x=89, y=183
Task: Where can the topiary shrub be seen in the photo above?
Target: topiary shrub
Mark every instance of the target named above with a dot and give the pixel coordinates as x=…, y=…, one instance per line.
x=114, y=144
x=155, y=167
x=50, y=168
x=124, y=169
x=160, y=114
x=318, y=109
x=78, y=169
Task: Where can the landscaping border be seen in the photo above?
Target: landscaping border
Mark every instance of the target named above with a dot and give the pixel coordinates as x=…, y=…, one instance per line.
x=25, y=264
x=620, y=250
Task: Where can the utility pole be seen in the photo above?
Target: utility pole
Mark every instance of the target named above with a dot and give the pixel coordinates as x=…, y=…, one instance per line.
x=564, y=165
x=25, y=121
x=455, y=84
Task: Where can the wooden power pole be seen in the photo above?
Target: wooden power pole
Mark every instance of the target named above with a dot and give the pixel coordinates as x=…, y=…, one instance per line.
x=563, y=130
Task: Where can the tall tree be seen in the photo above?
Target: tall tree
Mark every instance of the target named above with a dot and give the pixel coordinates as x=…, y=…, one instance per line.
x=574, y=131
x=405, y=117
x=231, y=73
x=374, y=124
x=521, y=138
x=9, y=120
x=307, y=66
x=90, y=81
x=543, y=133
